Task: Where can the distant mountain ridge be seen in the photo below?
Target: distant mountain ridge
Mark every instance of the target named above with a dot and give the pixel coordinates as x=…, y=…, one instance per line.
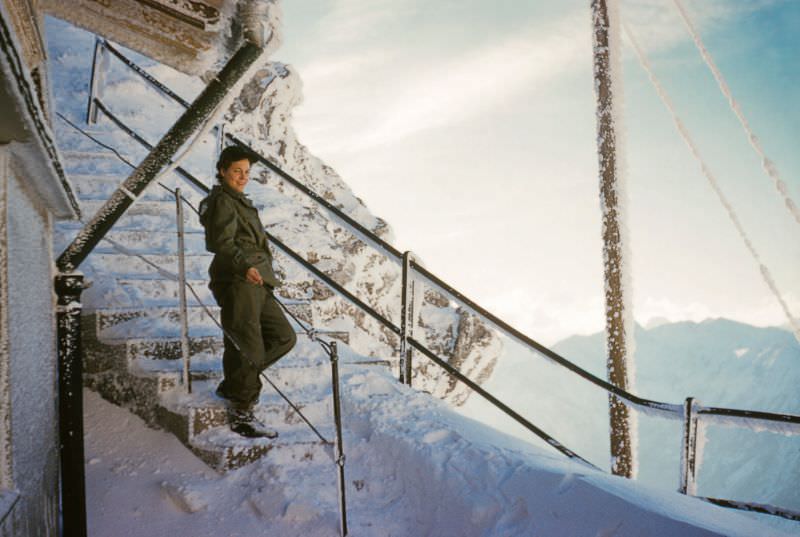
x=722, y=363
x=719, y=361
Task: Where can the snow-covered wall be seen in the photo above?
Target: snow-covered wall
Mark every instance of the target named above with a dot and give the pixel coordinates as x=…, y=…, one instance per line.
x=29, y=359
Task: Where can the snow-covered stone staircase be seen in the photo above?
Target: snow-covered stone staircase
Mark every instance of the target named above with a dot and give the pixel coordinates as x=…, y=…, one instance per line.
x=131, y=329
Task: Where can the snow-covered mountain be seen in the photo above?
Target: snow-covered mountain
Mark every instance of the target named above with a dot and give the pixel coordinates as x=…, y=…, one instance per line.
x=718, y=361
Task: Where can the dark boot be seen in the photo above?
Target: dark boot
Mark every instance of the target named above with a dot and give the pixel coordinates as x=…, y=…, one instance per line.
x=245, y=423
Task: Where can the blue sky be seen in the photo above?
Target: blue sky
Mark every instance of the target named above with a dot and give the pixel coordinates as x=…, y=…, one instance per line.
x=469, y=126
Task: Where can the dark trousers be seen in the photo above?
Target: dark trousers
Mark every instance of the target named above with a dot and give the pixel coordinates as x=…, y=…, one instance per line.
x=252, y=316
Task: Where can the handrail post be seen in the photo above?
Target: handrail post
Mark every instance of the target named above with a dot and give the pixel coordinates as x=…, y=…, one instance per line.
x=91, y=107
x=689, y=463
x=68, y=289
x=186, y=378
x=220, y=138
x=406, y=319
x=339, y=450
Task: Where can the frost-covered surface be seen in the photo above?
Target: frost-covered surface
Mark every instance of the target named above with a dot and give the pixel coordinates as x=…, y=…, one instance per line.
x=184, y=46
x=260, y=115
x=617, y=264
x=32, y=352
x=26, y=116
x=722, y=363
x=413, y=468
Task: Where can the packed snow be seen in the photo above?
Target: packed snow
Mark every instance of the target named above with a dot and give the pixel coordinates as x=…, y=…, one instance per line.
x=413, y=467
x=741, y=460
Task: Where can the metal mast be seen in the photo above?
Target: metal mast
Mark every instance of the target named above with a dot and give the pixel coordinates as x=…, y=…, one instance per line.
x=622, y=461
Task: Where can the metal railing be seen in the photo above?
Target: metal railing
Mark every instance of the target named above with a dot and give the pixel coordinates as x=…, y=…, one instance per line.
x=776, y=422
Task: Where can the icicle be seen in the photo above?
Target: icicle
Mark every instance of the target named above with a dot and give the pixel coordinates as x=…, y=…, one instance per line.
x=765, y=273
x=767, y=164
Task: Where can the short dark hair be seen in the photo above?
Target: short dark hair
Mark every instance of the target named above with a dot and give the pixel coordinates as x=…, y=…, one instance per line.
x=231, y=154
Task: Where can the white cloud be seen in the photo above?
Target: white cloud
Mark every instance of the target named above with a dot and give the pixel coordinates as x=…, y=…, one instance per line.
x=358, y=21
x=478, y=80
x=389, y=107
x=657, y=23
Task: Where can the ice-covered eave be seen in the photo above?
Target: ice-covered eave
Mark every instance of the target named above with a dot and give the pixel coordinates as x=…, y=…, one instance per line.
x=192, y=37
x=34, y=151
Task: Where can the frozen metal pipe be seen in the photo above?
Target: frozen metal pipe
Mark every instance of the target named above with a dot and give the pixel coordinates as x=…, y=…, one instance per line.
x=689, y=449
x=187, y=380
x=406, y=319
x=338, y=447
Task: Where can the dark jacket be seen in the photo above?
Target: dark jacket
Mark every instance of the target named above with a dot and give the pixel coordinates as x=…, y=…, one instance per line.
x=235, y=236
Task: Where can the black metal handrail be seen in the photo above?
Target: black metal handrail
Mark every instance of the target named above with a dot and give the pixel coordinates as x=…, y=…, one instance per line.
x=363, y=232
x=194, y=181
x=142, y=73
x=667, y=409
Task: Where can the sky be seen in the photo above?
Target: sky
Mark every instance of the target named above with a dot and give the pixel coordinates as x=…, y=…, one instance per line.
x=470, y=127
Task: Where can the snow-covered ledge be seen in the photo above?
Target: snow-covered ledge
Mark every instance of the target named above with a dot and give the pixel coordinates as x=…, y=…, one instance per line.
x=463, y=478
x=416, y=467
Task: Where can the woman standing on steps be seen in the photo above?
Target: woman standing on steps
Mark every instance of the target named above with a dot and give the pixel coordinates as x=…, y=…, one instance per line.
x=242, y=282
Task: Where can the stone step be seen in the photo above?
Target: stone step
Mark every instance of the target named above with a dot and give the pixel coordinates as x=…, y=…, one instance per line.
x=278, y=416
x=169, y=349
x=204, y=350
x=313, y=401
x=124, y=266
x=284, y=377
x=141, y=242
x=143, y=215
x=224, y=450
x=152, y=292
x=96, y=163
x=164, y=321
x=100, y=187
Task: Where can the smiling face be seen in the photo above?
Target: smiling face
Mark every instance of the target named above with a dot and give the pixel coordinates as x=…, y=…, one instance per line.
x=236, y=175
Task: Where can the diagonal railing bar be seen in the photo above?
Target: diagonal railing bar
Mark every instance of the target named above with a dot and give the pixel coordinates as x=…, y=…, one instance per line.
x=334, y=285
x=142, y=73
x=761, y=508
x=768, y=420
x=193, y=181
x=499, y=404
x=97, y=140
x=667, y=409
x=368, y=235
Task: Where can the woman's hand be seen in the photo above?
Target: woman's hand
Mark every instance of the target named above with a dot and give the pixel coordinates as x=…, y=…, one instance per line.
x=253, y=276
